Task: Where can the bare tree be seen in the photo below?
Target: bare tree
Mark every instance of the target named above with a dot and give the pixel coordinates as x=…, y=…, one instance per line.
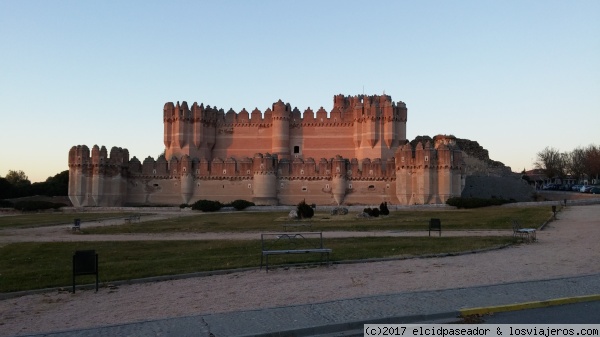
x=576, y=163
x=552, y=162
x=592, y=161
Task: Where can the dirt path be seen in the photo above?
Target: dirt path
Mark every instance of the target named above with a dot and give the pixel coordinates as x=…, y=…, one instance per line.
x=566, y=247
x=63, y=233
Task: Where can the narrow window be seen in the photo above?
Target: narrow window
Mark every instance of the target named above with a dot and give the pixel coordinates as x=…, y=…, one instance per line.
x=296, y=149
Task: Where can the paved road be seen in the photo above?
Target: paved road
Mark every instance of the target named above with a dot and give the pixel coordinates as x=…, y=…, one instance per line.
x=575, y=313
x=350, y=315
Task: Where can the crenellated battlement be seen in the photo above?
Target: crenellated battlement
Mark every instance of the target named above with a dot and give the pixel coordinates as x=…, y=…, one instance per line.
x=346, y=109
x=98, y=159
x=244, y=168
x=97, y=178
x=444, y=154
x=357, y=126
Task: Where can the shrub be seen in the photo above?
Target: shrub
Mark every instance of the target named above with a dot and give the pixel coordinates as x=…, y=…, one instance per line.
x=383, y=209
x=207, y=206
x=305, y=211
x=373, y=212
x=241, y=204
x=36, y=205
x=6, y=204
x=184, y=205
x=475, y=202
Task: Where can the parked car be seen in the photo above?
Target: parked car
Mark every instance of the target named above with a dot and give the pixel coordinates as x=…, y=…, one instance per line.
x=585, y=189
x=595, y=190
x=576, y=188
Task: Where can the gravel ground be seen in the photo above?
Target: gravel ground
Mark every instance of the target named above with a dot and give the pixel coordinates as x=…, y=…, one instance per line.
x=566, y=247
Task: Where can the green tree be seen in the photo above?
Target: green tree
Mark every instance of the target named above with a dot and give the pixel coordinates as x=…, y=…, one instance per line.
x=7, y=190
x=19, y=183
x=17, y=178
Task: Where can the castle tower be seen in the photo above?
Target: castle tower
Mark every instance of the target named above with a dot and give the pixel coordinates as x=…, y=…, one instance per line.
x=187, y=132
x=401, y=116
x=357, y=112
x=78, y=172
x=186, y=178
x=115, y=176
x=168, y=113
x=100, y=180
x=404, y=168
x=426, y=179
x=180, y=126
x=445, y=168
x=98, y=173
x=338, y=179
x=458, y=176
x=379, y=126
x=197, y=113
x=281, y=130
x=265, y=179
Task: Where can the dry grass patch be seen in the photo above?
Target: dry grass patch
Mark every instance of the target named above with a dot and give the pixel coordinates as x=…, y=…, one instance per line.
x=31, y=265
x=488, y=218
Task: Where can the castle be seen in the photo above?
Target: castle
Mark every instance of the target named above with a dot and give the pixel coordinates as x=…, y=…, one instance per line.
x=269, y=158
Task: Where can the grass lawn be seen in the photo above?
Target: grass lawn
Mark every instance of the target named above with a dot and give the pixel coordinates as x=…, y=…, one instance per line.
x=481, y=218
x=28, y=220
x=29, y=265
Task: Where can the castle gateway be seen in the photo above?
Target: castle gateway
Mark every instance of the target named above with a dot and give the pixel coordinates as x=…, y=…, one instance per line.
x=355, y=154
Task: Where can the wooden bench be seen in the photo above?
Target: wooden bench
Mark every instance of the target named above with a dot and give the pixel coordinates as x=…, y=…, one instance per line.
x=132, y=218
x=287, y=226
x=528, y=234
x=435, y=225
x=288, y=243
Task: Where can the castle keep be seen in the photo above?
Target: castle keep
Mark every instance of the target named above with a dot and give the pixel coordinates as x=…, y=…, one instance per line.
x=355, y=154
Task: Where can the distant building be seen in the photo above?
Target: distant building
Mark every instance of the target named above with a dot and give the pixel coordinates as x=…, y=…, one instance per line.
x=355, y=154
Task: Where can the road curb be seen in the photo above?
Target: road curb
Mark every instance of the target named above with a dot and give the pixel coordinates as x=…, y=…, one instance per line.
x=338, y=328
x=528, y=305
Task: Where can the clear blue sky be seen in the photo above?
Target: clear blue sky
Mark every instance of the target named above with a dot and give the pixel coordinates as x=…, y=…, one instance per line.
x=516, y=76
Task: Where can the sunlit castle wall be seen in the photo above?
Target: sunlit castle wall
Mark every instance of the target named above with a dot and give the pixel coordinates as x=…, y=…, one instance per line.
x=356, y=153
x=357, y=127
